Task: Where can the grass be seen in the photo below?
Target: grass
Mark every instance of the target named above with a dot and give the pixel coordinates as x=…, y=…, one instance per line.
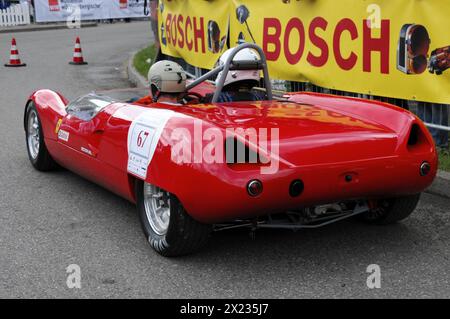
x=141, y=58
x=444, y=160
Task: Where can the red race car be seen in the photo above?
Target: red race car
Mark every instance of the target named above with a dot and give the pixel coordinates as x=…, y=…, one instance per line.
x=303, y=160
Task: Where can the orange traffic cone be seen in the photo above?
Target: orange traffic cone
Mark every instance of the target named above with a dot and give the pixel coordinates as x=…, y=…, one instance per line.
x=14, y=60
x=78, y=54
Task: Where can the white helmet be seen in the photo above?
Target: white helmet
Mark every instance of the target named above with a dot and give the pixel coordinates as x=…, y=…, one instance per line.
x=166, y=77
x=239, y=75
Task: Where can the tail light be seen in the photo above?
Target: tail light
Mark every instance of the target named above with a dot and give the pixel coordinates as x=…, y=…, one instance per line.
x=254, y=188
x=425, y=169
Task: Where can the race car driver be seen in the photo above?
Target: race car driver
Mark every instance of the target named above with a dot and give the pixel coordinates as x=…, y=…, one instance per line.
x=167, y=81
x=238, y=84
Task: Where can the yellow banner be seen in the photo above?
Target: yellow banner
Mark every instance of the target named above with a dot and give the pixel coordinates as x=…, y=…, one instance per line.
x=195, y=30
x=389, y=48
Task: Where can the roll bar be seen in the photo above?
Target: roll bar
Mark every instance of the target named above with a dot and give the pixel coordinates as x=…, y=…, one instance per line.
x=229, y=65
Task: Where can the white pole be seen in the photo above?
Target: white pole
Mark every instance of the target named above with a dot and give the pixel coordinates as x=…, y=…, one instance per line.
x=26, y=11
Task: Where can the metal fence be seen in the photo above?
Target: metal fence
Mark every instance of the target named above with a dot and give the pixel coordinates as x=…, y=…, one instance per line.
x=435, y=116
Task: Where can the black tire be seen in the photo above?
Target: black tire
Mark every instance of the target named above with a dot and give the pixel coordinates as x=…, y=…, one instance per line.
x=184, y=234
x=391, y=211
x=42, y=160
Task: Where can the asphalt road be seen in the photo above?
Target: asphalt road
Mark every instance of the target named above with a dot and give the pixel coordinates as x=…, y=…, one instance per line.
x=49, y=221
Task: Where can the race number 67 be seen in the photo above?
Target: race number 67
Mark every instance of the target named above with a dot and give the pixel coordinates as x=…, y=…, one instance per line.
x=142, y=138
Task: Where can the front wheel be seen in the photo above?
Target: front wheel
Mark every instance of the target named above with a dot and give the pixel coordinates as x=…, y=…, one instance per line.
x=169, y=229
x=389, y=211
x=37, y=150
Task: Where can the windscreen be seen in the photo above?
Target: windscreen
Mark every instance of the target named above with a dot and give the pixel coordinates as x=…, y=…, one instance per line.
x=87, y=106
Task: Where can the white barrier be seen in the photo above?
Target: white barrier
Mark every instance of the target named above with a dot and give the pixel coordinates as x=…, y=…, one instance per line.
x=18, y=14
x=70, y=10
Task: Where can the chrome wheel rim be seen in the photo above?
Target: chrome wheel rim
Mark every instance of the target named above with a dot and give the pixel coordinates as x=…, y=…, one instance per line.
x=157, y=208
x=33, y=134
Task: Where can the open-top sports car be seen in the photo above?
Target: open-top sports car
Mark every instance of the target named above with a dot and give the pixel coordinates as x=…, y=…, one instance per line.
x=302, y=160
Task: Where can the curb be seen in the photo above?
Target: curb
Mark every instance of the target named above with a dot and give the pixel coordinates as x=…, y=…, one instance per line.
x=133, y=75
x=44, y=27
x=441, y=185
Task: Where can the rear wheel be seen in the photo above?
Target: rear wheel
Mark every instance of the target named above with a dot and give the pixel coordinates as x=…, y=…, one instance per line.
x=390, y=211
x=37, y=151
x=169, y=229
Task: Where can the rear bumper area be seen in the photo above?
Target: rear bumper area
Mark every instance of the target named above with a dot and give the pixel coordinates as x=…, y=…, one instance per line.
x=386, y=177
